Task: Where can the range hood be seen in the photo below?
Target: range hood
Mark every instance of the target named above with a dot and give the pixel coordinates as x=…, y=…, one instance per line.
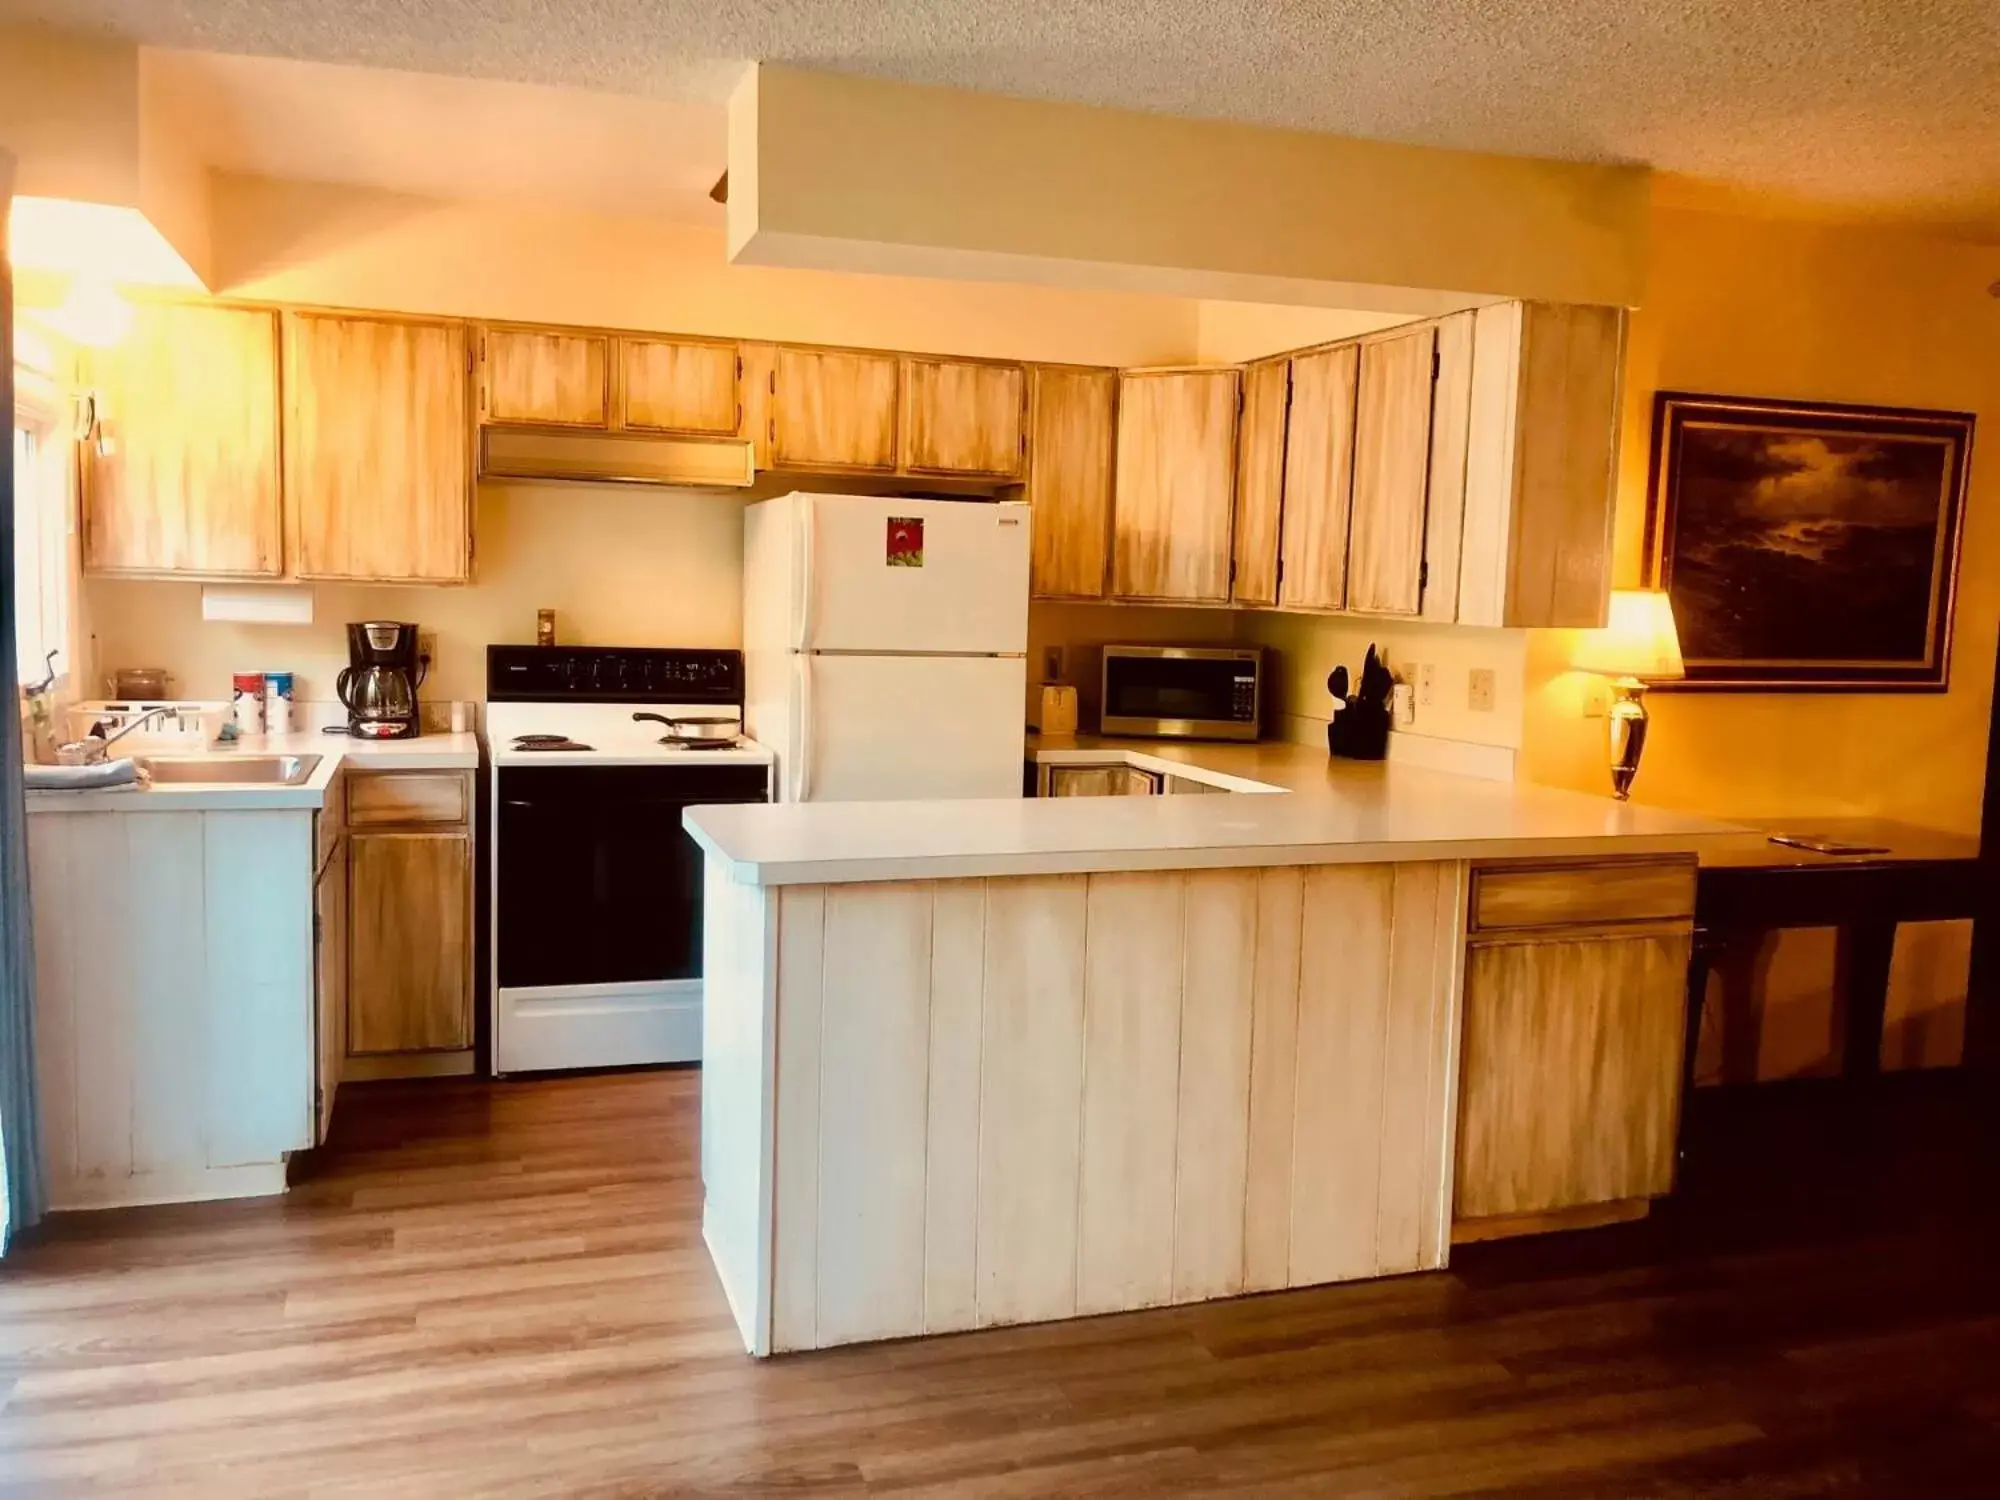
x=615, y=458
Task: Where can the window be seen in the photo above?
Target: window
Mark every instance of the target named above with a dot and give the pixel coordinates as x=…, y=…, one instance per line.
x=41, y=534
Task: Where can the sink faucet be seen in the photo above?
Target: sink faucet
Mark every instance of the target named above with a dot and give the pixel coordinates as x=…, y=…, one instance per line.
x=90, y=750
x=139, y=723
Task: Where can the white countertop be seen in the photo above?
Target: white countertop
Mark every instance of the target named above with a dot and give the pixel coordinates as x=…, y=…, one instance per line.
x=428, y=752
x=1330, y=812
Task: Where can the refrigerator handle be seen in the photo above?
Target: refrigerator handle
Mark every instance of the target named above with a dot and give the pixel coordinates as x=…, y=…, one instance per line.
x=808, y=546
x=802, y=762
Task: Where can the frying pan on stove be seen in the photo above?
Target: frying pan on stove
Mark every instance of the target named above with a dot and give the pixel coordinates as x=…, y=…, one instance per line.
x=696, y=729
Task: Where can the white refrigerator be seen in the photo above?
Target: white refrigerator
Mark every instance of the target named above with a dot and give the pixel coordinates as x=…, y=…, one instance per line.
x=885, y=645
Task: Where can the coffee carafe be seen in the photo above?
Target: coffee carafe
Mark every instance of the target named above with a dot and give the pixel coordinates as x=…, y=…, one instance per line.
x=380, y=681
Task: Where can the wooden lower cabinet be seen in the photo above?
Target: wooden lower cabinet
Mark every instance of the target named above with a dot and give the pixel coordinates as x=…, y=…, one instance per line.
x=1102, y=781
x=1570, y=1095
x=409, y=970
x=329, y=980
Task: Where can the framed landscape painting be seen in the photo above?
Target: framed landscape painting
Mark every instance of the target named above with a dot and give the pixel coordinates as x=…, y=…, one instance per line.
x=1808, y=547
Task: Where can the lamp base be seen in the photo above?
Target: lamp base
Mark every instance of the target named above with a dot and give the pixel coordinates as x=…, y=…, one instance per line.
x=1628, y=720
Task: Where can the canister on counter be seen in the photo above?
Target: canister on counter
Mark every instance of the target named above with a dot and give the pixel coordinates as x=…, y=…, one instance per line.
x=247, y=702
x=277, y=703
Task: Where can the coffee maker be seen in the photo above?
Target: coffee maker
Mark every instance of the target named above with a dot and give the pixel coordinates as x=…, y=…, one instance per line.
x=380, y=681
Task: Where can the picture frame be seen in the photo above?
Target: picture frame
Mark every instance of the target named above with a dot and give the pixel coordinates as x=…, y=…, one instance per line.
x=1807, y=546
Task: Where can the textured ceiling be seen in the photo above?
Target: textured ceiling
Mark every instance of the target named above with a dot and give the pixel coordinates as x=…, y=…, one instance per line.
x=1887, y=107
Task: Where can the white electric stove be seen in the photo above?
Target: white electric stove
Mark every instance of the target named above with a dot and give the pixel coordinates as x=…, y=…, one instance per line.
x=597, y=889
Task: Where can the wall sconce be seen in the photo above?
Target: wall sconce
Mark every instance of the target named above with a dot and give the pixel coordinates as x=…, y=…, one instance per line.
x=1638, y=645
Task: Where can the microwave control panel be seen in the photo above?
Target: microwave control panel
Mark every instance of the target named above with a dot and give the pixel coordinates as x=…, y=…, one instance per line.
x=1243, y=696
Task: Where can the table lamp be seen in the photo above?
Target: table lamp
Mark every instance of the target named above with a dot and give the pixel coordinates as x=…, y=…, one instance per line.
x=1638, y=645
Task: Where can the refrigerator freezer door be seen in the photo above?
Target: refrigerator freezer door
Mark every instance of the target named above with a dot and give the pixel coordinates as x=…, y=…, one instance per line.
x=896, y=728
x=937, y=576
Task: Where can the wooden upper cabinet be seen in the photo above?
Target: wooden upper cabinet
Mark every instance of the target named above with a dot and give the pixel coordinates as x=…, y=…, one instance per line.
x=1175, y=485
x=1260, y=481
x=965, y=417
x=1319, y=479
x=1444, y=509
x=834, y=409
x=680, y=385
x=544, y=378
x=1073, y=416
x=1392, y=444
x=1542, y=454
x=378, y=460
x=188, y=479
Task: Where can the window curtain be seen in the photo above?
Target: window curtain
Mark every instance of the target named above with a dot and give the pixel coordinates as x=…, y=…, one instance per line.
x=20, y=1131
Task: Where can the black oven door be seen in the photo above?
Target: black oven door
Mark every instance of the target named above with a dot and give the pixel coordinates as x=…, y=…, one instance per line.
x=597, y=882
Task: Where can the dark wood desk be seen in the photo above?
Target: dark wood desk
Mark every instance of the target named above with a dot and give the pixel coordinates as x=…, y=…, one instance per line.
x=1749, y=887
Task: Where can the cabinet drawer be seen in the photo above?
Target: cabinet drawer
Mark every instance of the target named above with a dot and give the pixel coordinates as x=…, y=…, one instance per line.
x=1571, y=896
x=381, y=797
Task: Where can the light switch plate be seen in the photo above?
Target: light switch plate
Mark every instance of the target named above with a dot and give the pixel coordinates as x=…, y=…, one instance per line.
x=1052, y=664
x=1479, y=690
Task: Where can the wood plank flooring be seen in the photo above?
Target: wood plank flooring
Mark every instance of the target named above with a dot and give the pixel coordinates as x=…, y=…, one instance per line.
x=500, y=1290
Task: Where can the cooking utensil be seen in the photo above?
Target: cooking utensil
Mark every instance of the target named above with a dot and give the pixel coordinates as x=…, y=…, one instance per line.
x=696, y=729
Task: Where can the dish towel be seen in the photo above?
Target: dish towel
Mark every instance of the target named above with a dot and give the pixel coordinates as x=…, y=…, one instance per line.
x=102, y=777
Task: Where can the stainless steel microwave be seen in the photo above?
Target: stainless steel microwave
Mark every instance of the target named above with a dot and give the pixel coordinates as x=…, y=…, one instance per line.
x=1184, y=692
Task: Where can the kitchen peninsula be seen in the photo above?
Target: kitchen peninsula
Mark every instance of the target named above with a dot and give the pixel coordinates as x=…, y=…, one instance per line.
x=984, y=1062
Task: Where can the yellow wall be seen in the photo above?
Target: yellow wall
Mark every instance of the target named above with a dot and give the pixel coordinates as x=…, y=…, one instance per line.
x=838, y=170
x=1229, y=333
x=1765, y=308
x=69, y=112
x=632, y=567
x=642, y=567
x=311, y=242
x=1812, y=312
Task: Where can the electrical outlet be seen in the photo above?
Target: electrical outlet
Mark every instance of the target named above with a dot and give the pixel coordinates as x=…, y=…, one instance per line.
x=427, y=647
x=1052, y=664
x=1596, y=698
x=1426, y=684
x=1479, y=690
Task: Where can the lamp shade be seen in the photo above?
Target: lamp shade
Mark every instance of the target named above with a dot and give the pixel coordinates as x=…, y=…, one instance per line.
x=1639, y=641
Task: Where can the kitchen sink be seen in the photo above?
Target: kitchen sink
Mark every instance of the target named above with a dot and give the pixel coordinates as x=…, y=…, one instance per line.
x=231, y=770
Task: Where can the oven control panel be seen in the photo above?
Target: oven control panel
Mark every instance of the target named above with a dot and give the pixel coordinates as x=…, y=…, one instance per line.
x=612, y=674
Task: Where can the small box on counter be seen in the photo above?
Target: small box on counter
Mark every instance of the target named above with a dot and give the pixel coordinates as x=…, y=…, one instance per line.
x=1057, y=715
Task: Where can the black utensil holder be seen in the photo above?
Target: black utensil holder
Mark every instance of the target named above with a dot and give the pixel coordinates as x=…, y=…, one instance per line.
x=1360, y=731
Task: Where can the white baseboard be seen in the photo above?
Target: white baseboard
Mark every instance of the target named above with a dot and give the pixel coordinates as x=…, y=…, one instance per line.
x=174, y=1185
